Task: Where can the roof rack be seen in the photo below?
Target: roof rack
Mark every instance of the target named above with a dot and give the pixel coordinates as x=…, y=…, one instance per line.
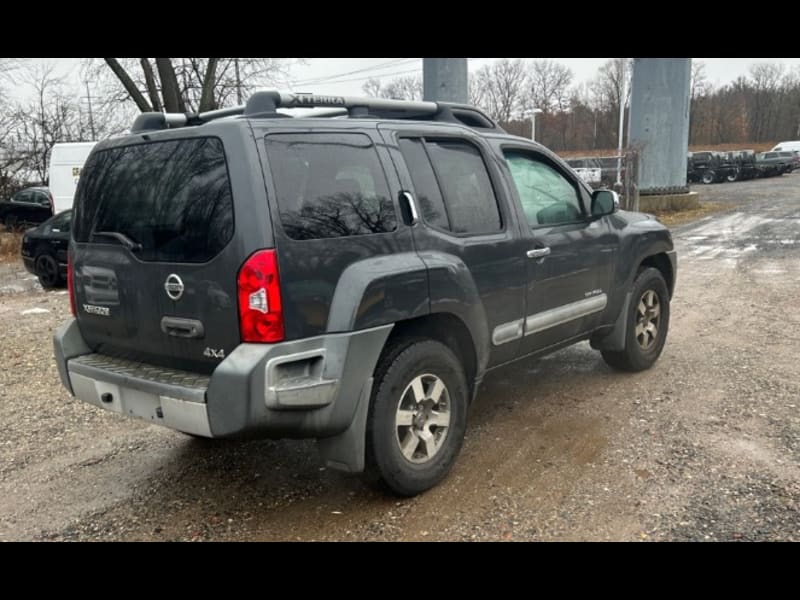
x=266, y=104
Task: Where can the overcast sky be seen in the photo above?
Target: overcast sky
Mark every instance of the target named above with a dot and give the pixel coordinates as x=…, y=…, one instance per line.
x=317, y=75
x=345, y=76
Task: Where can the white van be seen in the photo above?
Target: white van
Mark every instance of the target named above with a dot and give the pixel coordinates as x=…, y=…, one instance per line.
x=66, y=162
x=787, y=147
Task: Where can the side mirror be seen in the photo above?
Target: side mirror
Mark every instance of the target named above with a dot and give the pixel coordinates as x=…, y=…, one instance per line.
x=604, y=202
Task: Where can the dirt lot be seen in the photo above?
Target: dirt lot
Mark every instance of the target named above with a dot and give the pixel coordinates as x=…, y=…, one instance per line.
x=705, y=446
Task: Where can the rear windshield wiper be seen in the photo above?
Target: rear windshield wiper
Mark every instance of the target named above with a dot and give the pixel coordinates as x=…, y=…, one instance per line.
x=121, y=238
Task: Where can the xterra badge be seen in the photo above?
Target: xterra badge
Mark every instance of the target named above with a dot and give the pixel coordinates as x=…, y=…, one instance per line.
x=102, y=311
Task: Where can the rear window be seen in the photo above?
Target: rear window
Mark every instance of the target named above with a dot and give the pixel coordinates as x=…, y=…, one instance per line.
x=329, y=185
x=173, y=197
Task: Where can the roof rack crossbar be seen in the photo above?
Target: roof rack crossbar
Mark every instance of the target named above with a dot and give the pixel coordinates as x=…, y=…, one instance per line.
x=266, y=103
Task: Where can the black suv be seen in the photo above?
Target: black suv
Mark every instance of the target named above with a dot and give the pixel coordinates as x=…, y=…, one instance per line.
x=349, y=277
x=30, y=206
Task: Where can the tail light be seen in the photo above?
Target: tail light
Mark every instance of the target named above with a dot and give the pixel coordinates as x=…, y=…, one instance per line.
x=260, y=312
x=71, y=284
x=52, y=203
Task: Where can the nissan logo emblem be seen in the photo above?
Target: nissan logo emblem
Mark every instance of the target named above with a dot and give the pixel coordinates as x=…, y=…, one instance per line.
x=174, y=287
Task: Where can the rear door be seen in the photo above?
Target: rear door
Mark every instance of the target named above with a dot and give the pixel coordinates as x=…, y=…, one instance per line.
x=154, y=264
x=466, y=222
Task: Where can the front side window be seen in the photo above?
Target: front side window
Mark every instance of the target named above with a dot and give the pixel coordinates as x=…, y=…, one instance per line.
x=329, y=185
x=547, y=197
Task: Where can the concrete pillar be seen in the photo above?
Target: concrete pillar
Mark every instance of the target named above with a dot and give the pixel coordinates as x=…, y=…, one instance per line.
x=445, y=80
x=659, y=122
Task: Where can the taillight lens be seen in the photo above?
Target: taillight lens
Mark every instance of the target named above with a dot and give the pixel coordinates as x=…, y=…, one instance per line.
x=260, y=312
x=71, y=284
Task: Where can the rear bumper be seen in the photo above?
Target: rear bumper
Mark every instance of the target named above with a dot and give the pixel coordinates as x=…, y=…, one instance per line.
x=303, y=388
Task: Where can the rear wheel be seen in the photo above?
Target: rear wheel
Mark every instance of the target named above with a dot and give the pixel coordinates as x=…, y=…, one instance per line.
x=732, y=176
x=709, y=177
x=47, y=271
x=648, y=323
x=417, y=416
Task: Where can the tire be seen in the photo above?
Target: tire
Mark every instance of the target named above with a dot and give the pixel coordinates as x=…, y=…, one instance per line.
x=420, y=382
x=10, y=222
x=642, y=347
x=47, y=271
x=732, y=176
x=709, y=177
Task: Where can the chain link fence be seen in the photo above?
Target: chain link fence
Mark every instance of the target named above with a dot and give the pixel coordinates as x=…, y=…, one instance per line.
x=616, y=172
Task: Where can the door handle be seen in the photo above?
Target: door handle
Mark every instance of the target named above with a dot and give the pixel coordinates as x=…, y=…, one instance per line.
x=539, y=253
x=182, y=328
x=407, y=204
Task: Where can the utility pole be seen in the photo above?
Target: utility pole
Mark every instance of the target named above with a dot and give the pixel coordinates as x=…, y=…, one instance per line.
x=621, y=132
x=659, y=122
x=91, y=116
x=445, y=80
x=238, y=81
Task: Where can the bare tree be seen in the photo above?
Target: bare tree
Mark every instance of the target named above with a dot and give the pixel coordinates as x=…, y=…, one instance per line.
x=408, y=87
x=51, y=114
x=372, y=87
x=699, y=86
x=501, y=87
x=400, y=88
x=549, y=83
x=189, y=84
x=765, y=82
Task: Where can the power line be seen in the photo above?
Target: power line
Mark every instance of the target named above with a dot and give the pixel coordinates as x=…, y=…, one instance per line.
x=330, y=78
x=370, y=76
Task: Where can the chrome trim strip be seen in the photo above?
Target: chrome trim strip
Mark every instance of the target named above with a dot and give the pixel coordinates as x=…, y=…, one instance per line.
x=507, y=332
x=564, y=314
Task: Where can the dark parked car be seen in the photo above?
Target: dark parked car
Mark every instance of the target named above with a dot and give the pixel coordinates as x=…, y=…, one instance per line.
x=710, y=167
x=792, y=160
x=774, y=164
x=30, y=206
x=352, y=279
x=44, y=250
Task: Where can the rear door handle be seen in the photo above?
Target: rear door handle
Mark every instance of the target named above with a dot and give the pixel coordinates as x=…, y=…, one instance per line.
x=182, y=328
x=539, y=253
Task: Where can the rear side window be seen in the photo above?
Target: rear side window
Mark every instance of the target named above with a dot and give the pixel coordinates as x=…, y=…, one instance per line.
x=471, y=202
x=427, y=189
x=329, y=185
x=173, y=197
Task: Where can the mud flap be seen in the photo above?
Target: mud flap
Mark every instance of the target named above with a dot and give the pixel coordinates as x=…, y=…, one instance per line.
x=615, y=340
x=345, y=452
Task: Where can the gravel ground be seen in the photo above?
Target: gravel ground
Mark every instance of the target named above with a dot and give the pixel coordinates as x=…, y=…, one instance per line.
x=705, y=446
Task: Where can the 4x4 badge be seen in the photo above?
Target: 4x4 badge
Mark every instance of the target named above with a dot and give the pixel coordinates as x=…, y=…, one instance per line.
x=174, y=287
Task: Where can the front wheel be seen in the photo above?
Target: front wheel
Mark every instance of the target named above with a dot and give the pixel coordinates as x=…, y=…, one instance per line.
x=732, y=176
x=709, y=177
x=647, y=326
x=417, y=416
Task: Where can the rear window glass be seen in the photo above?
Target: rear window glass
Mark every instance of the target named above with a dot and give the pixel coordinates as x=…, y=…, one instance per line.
x=329, y=185
x=174, y=198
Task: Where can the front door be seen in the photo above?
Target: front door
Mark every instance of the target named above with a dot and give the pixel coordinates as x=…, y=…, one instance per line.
x=570, y=255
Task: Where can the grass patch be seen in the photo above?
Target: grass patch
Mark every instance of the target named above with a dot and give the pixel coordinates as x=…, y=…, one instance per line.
x=10, y=246
x=674, y=218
